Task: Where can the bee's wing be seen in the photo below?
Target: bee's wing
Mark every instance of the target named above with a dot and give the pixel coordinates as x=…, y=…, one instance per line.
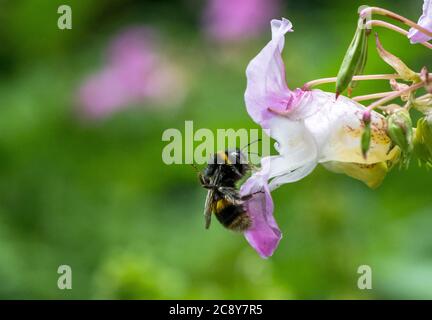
x=209, y=203
x=208, y=209
x=230, y=194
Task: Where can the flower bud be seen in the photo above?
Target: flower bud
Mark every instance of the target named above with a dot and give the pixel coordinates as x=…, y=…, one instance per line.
x=366, y=139
x=421, y=152
x=427, y=131
x=424, y=75
x=423, y=104
x=367, y=133
x=423, y=138
x=354, y=60
x=367, y=117
x=399, y=129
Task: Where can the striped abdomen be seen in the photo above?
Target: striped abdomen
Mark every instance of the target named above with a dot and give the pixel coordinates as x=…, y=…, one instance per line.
x=232, y=216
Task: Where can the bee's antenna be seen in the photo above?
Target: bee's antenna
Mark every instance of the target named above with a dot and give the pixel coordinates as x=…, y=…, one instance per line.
x=257, y=140
x=255, y=153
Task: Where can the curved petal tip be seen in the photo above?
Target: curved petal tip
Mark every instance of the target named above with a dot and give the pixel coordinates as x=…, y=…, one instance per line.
x=283, y=26
x=264, y=234
x=263, y=241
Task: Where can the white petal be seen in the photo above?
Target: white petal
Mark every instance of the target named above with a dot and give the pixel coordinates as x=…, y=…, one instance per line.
x=293, y=176
x=337, y=127
x=296, y=145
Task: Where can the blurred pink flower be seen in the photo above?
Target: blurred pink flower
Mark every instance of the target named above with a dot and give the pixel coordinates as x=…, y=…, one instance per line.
x=231, y=20
x=135, y=72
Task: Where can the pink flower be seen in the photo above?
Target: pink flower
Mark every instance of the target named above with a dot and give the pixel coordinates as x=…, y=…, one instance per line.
x=425, y=21
x=136, y=72
x=264, y=234
x=232, y=20
x=310, y=128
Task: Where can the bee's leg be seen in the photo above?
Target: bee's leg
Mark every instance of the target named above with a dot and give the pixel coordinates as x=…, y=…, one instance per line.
x=230, y=193
x=249, y=196
x=210, y=186
x=202, y=179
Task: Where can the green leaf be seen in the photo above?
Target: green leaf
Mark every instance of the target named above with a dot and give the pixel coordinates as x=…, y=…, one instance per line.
x=400, y=67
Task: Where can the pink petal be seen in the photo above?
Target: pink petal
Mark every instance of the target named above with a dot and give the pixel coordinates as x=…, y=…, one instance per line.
x=137, y=45
x=103, y=93
x=425, y=21
x=136, y=73
x=228, y=20
x=266, y=84
x=264, y=235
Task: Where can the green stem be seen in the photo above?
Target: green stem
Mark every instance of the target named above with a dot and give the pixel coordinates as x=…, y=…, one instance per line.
x=395, y=95
x=372, y=96
x=313, y=83
x=390, y=26
x=397, y=17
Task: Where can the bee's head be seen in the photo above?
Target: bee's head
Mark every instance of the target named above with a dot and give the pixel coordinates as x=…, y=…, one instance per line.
x=230, y=160
x=229, y=157
x=238, y=162
x=215, y=160
x=235, y=157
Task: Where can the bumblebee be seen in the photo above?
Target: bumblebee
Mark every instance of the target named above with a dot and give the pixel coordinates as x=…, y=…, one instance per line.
x=220, y=176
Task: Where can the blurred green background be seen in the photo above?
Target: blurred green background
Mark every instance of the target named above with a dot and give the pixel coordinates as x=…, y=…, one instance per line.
x=94, y=193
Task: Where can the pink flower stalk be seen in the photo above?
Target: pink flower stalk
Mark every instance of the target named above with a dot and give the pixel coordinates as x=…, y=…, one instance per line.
x=425, y=21
x=232, y=20
x=310, y=127
x=135, y=73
